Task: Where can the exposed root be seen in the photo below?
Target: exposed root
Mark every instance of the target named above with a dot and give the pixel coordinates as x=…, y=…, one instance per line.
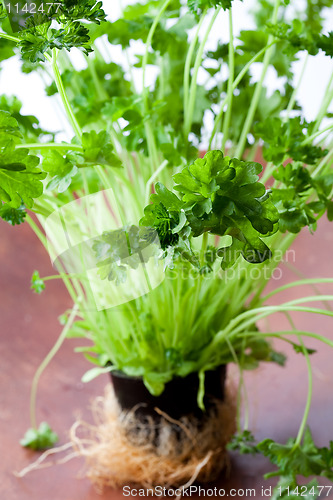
x=121, y=449
x=40, y=464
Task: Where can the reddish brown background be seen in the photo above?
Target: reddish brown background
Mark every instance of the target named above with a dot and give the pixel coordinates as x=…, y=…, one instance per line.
x=29, y=327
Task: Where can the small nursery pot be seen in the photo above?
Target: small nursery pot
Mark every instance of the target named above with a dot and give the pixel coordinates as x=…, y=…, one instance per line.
x=133, y=443
x=178, y=399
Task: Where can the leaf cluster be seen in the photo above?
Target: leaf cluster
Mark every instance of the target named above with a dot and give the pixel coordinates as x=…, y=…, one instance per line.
x=39, y=439
x=119, y=249
x=243, y=442
x=302, y=37
x=301, y=198
x=39, y=37
x=97, y=149
x=20, y=178
x=37, y=283
x=219, y=195
x=287, y=139
x=14, y=216
x=85, y=10
x=294, y=460
x=197, y=6
x=21, y=174
x=165, y=99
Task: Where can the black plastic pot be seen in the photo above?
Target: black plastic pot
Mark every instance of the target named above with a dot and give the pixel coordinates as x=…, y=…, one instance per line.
x=178, y=399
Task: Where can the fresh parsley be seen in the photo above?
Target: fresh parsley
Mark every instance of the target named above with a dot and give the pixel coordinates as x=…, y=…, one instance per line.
x=39, y=439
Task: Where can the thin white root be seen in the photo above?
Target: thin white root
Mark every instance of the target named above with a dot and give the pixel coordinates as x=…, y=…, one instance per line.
x=38, y=464
x=197, y=471
x=121, y=449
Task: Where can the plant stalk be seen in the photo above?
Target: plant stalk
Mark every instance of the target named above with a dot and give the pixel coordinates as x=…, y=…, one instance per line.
x=258, y=89
x=45, y=363
x=63, y=95
x=226, y=123
x=193, y=89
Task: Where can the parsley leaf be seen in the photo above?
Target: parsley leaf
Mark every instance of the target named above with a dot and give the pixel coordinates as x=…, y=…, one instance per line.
x=38, y=37
x=98, y=149
x=37, y=283
x=62, y=182
x=292, y=201
x=223, y=196
x=20, y=179
x=164, y=215
x=119, y=249
x=197, y=6
x=220, y=195
x=298, y=459
x=55, y=163
x=89, y=10
x=284, y=140
x=292, y=460
x=302, y=37
x=39, y=439
x=12, y=215
x=243, y=442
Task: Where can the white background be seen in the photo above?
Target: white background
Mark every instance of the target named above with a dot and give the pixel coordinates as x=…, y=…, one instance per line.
x=30, y=88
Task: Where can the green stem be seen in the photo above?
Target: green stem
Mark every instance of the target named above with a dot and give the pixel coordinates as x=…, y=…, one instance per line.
x=145, y=56
x=42, y=238
x=50, y=145
x=313, y=298
x=328, y=96
x=275, y=309
x=9, y=37
x=226, y=123
x=296, y=283
x=203, y=248
x=310, y=384
x=283, y=247
x=313, y=136
x=193, y=90
x=130, y=70
x=188, y=61
x=239, y=392
x=233, y=330
x=152, y=178
x=37, y=231
x=239, y=78
x=148, y=128
x=312, y=335
x=161, y=78
x=102, y=94
x=258, y=89
x=323, y=163
x=269, y=169
x=296, y=89
x=53, y=277
x=44, y=364
x=64, y=97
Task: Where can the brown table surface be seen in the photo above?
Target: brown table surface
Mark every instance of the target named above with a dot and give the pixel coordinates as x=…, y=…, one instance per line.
x=29, y=327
